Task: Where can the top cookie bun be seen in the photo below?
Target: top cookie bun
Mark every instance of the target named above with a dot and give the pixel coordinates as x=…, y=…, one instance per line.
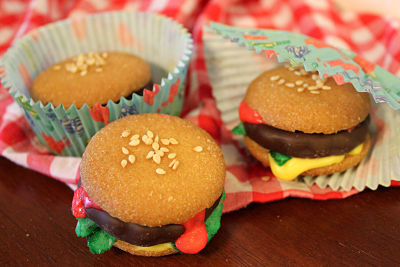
x=91, y=78
x=295, y=100
x=153, y=190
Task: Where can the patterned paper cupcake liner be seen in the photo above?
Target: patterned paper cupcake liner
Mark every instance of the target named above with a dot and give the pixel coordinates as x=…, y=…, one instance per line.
x=160, y=41
x=229, y=82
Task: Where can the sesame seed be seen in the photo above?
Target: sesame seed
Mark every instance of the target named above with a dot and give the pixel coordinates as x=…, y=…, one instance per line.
x=164, y=149
x=281, y=81
x=57, y=67
x=123, y=163
x=265, y=178
x=134, y=142
x=104, y=55
x=83, y=73
x=81, y=57
x=299, y=82
x=155, y=146
x=303, y=72
x=311, y=88
x=198, y=149
x=176, y=164
x=131, y=159
x=150, y=134
x=150, y=154
x=305, y=84
x=173, y=141
x=289, y=85
x=99, y=61
x=90, y=61
x=160, y=153
x=160, y=171
x=297, y=73
x=99, y=69
x=274, y=78
x=170, y=199
x=314, y=76
x=291, y=68
x=300, y=89
x=125, y=150
x=157, y=158
x=314, y=92
x=326, y=87
x=172, y=163
x=165, y=141
x=171, y=155
x=125, y=133
x=147, y=140
x=71, y=67
x=156, y=139
x=82, y=67
x=136, y=136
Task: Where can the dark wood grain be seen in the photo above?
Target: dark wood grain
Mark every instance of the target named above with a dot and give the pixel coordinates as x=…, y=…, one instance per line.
x=37, y=228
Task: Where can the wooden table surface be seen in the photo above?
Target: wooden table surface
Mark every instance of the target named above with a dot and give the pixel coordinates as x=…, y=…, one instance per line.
x=37, y=228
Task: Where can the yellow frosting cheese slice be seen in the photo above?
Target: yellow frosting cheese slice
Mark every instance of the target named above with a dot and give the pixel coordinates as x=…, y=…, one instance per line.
x=296, y=166
x=155, y=248
x=357, y=150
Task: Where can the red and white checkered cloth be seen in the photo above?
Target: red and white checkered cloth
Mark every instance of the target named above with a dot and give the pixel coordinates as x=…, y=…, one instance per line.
x=374, y=37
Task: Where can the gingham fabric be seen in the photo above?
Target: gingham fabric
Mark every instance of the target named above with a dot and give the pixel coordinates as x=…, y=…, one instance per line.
x=373, y=37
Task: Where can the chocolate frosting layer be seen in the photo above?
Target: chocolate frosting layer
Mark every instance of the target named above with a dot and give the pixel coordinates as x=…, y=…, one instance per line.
x=302, y=145
x=136, y=234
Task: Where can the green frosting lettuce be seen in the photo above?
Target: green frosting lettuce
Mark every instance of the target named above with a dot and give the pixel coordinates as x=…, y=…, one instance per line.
x=98, y=240
x=85, y=227
x=213, y=223
x=239, y=129
x=279, y=158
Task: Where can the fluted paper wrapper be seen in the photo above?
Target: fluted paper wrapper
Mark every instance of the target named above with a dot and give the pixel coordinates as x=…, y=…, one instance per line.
x=231, y=69
x=160, y=41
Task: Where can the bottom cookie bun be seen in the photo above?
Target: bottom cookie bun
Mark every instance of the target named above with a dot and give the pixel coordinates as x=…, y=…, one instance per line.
x=261, y=154
x=153, y=251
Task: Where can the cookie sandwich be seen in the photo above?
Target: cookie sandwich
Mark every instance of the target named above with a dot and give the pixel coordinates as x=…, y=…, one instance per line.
x=151, y=185
x=299, y=124
x=92, y=78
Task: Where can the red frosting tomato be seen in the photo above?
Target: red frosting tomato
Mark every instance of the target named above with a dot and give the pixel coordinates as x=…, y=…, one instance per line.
x=247, y=114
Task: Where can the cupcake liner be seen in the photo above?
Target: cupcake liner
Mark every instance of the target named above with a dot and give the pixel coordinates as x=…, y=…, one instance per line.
x=230, y=82
x=341, y=64
x=160, y=41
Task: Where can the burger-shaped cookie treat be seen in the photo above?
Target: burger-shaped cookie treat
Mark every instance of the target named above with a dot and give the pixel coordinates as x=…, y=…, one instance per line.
x=299, y=124
x=92, y=78
x=151, y=185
